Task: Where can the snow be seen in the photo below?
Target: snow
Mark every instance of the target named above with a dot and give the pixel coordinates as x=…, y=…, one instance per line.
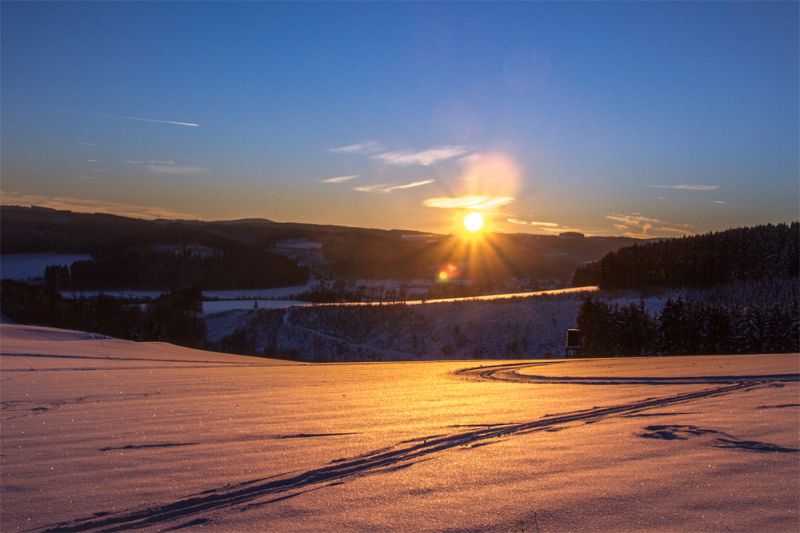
x=132, y=294
x=237, y=294
x=277, y=292
x=220, y=306
x=30, y=266
x=531, y=324
x=105, y=434
x=582, y=291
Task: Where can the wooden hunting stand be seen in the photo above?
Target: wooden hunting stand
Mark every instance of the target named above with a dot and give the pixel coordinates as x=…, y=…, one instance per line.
x=572, y=348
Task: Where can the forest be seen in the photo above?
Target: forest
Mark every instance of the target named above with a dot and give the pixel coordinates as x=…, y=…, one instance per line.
x=148, y=268
x=174, y=317
x=769, y=251
x=686, y=326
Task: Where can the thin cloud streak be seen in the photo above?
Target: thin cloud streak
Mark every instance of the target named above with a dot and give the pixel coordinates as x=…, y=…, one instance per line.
x=411, y=185
x=339, y=179
x=668, y=229
x=176, y=170
x=84, y=205
x=385, y=188
x=687, y=187
x=543, y=224
x=468, y=202
x=422, y=157
x=366, y=147
x=551, y=228
x=140, y=119
x=644, y=226
x=380, y=187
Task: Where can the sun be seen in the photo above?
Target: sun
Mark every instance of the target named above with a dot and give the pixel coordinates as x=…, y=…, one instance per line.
x=473, y=222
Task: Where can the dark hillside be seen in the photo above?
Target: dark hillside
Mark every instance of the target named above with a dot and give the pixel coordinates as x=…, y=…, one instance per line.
x=249, y=245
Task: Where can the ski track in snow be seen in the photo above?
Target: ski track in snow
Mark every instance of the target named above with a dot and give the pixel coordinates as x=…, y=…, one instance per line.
x=405, y=454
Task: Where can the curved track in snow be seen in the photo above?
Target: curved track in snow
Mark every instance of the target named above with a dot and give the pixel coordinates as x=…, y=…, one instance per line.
x=194, y=509
x=511, y=373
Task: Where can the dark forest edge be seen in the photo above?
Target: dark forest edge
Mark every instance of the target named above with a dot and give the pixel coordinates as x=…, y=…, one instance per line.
x=770, y=251
x=695, y=326
x=685, y=327
x=174, y=317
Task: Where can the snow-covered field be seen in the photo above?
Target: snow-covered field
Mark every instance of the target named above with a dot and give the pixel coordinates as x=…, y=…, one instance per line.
x=101, y=434
x=531, y=324
x=222, y=306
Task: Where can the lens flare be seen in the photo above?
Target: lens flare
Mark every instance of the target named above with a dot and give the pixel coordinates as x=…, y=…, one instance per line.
x=473, y=222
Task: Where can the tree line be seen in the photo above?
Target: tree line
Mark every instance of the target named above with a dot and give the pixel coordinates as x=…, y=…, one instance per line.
x=687, y=327
x=143, y=268
x=174, y=317
x=769, y=251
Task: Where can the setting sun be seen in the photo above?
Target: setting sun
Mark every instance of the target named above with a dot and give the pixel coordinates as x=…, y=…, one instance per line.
x=473, y=222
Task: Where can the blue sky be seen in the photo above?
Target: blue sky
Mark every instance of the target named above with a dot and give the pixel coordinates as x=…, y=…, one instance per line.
x=611, y=118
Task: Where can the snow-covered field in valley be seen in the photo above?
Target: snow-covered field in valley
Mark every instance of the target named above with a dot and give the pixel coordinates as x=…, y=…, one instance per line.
x=101, y=434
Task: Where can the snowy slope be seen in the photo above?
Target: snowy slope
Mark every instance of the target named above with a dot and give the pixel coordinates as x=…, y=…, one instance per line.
x=102, y=434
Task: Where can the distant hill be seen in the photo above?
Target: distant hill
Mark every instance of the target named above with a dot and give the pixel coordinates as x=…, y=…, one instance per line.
x=337, y=251
x=742, y=254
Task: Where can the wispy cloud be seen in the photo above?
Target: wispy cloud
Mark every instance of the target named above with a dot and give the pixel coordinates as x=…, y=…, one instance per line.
x=718, y=202
x=176, y=170
x=564, y=229
x=634, y=219
x=639, y=226
x=668, y=229
x=421, y=157
x=546, y=227
x=537, y=223
x=543, y=224
x=379, y=187
x=168, y=167
x=687, y=187
x=85, y=205
x=385, y=188
x=339, y=179
x=411, y=185
x=124, y=117
x=468, y=202
x=366, y=147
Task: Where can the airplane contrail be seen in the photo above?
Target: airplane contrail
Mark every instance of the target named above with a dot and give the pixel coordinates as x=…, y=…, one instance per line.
x=122, y=117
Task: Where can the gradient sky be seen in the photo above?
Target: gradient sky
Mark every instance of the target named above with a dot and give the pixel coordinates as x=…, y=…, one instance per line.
x=611, y=118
